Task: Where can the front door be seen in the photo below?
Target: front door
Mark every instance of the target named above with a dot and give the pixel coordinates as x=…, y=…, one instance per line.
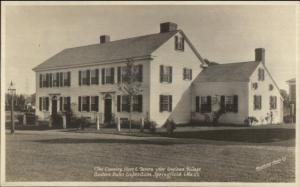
x=107, y=111
x=54, y=106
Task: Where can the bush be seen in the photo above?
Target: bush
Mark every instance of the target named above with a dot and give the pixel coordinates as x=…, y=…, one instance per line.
x=170, y=126
x=249, y=120
x=151, y=125
x=57, y=120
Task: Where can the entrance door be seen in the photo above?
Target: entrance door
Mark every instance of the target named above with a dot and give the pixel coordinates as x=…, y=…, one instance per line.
x=54, y=106
x=107, y=110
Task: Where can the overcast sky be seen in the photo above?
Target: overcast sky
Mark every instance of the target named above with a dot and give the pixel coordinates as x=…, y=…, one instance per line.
x=220, y=33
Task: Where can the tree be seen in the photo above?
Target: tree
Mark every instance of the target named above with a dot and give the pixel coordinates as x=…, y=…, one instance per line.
x=130, y=85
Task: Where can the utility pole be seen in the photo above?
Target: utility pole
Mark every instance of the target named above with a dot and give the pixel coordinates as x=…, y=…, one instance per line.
x=12, y=91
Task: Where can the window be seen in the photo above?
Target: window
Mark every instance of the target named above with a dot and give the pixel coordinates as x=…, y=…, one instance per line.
x=137, y=103
x=187, y=74
x=205, y=104
x=273, y=102
x=166, y=74
x=94, y=103
x=66, y=103
x=84, y=77
x=138, y=72
x=66, y=78
x=257, y=102
x=254, y=85
x=125, y=103
x=44, y=103
x=44, y=80
x=85, y=103
x=95, y=76
x=179, y=43
x=165, y=103
x=108, y=75
x=261, y=74
x=55, y=79
x=271, y=87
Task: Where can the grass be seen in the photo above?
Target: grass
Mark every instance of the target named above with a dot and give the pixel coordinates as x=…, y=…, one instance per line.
x=223, y=155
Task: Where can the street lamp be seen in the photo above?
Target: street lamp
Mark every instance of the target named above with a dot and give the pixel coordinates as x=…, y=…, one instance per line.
x=12, y=91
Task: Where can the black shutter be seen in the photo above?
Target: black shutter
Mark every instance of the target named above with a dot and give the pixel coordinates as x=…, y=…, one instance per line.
x=97, y=76
x=88, y=103
x=208, y=103
x=118, y=103
x=60, y=103
x=170, y=73
x=191, y=74
x=160, y=103
x=79, y=103
x=119, y=74
x=223, y=103
x=41, y=81
x=112, y=70
x=57, y=79
x=47, y=103
x=197, y=104
x=140, y=103
x=259, y=101
x=50, y=80
x=88, y=75
x=170, y=103
x=182, y=44
x=40, y=103
x=97, y=103
x=61, y=79
x=161, y=73
x=69, y=78
x=176, y=42
x=79, y=77
x=235, y=103
x=103, y=75
x=141, y=73
x=47, y=80
x=183, y=75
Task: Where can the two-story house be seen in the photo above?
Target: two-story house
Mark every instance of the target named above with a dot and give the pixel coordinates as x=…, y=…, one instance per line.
x=85, y=80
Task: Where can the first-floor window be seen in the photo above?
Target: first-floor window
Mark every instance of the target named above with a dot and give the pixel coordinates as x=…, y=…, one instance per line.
x=44, y=103
x=165, y=103
x=84, y=103
x=257, y=102
x=94, y=103
x=166, y=74
x=273, y=102
x=205, y=104
x=229, y=105
x=67, y=104
x=125, y=103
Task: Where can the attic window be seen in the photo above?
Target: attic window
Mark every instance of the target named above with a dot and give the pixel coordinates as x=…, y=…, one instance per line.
x=261, y=74
x=271, y=87
x=179, y=43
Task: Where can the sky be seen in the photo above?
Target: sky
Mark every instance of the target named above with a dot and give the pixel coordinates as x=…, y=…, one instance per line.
x=221, y=33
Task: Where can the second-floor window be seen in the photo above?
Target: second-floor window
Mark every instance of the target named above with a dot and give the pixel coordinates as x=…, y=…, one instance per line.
x=95, y=76
x=257, y=102
x=44, y=103
x=179, y=43
x=273, y=102
x=187, y=74
x=137, y=72
x=59, y=79
x=166, y=74
x=66, y=78
x=108, y=75
x=165, y=103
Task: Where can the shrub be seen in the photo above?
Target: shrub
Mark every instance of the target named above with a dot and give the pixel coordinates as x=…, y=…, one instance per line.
x=249, y=120
x=57, y=121
x=170, y=126
x=151, y=125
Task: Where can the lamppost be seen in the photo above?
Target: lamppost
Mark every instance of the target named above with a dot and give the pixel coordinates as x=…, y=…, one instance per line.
x=12, y=91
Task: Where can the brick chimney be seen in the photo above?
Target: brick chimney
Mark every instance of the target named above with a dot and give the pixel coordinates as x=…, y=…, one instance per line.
x=167, y=27
x=104, y=39
x=260, y=55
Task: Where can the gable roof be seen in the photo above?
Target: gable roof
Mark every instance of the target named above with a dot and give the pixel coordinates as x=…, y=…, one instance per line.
x=239, y=72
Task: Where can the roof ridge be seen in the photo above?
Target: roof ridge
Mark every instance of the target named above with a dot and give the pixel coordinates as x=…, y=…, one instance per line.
x=237, y=63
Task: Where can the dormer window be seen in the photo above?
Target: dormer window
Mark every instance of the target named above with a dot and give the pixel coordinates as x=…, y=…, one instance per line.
x=179, y=43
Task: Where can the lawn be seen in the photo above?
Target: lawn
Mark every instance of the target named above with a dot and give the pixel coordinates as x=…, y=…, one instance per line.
x=223, y=155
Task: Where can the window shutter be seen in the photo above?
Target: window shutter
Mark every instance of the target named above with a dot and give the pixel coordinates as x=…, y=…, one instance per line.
x=182, y=43
x=161, y=73
x=47, y=80
x=50, y=80
x=79, y=103
x=103, y=75
x=47, y=103
x=176, y=42
x=170, y=73
x=275, y=102
x=197, y=104
x=208, y=103
x=141, y=73
x=235, y=103
x=170, y=103
x=223, y=103
x=69, y=78
x=57, y=79
x=88, y=75
x=60, y=103
x=97, y=103
x=140, y=102
x=88, y=103
x=61, y=79
x=183, y=74
x=79, y=77
x=191, y=74
x=119, y=103
x=119, y=75
x=40, y=103
x=259, y=102
x=41, y=81
x=112, y=75
x=97, y=76
x=160, y=103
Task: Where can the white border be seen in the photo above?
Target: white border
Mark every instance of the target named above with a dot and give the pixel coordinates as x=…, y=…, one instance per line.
x=68, y=3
